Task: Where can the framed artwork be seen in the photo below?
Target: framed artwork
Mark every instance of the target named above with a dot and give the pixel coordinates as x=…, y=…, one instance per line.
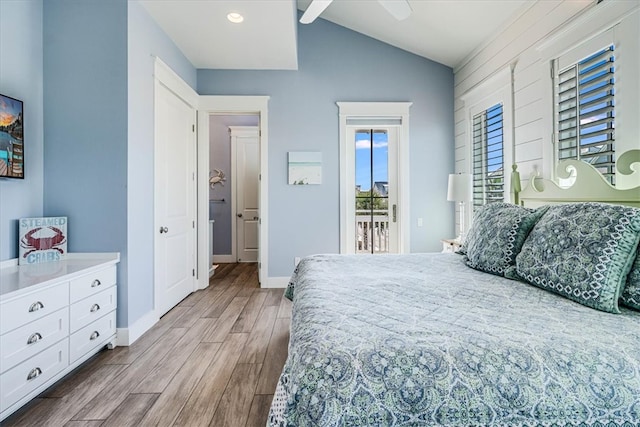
x=305, y=168
x=11, y=138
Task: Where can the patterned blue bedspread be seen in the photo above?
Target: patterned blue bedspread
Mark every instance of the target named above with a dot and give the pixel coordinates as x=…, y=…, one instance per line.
x=423, y=340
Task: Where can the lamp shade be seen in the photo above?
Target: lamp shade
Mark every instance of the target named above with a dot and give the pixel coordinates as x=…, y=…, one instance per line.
x=459, y=189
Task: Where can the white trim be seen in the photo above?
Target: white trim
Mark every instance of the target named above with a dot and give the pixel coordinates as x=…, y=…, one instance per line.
x=127, y=336
x=375, y=110
x=488, y=86
x=589, y=23
x=224, y=259
x=276, y=282
x=218, y=104
x=234, y=194
x=163, y=73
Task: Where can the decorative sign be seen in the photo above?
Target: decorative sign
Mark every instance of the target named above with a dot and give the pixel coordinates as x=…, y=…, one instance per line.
x=42, y=240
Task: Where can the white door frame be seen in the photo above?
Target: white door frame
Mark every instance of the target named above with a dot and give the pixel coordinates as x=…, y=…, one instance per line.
x=166, y=77
x=219, y=104
x=373, y=111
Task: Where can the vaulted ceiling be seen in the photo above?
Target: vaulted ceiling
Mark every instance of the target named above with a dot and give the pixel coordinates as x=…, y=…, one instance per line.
x=446, y=31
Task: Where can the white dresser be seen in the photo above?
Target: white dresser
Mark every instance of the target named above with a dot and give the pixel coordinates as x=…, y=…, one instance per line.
x=53, y=317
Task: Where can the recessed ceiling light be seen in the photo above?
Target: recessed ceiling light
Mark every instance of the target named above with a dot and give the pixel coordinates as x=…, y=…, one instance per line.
x=235, y=17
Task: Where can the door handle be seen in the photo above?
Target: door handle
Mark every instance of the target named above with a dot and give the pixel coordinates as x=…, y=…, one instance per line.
x=256, y=218
x=239, y=215
x=394, y=213
x=164, y=230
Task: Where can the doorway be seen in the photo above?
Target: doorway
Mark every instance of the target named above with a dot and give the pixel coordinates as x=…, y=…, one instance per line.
x=216, y=105
x=223, y=193
x=375, y=123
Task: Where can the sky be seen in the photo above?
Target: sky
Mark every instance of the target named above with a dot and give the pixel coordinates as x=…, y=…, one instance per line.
x=9, y=109
x=363, y=158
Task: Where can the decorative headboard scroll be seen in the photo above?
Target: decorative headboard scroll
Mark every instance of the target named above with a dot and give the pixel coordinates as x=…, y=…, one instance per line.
x=589, y=185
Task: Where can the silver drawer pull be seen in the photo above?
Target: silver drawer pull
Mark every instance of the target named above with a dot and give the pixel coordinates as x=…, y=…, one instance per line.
x=35, y=373
x=94, y=335
x=35, y=306
x=94, y=308
x=34, y=338
x=96, y=283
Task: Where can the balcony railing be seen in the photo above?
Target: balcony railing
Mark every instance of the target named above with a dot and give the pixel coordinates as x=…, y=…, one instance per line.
x=372, y=232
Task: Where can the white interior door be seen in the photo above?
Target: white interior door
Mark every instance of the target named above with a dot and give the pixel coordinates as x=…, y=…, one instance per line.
x=246, y=168
x=175, y=189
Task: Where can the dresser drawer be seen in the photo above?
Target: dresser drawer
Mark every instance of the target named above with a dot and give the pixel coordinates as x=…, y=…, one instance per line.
x=31, y=374
x=92, y=308
x=34, y=306
x=24, y=342
x=92, y=336
x=92, y=283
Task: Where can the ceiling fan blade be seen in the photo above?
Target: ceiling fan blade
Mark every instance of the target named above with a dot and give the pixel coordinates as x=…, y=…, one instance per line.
x=314, y=10
x=399, y=9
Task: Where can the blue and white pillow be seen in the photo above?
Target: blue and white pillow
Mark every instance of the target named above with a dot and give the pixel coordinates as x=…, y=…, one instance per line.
x=631, y=294
x=496, y=236
x=583, y=251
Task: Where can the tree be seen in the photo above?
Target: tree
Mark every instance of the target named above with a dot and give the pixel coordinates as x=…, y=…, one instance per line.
x=365, y=202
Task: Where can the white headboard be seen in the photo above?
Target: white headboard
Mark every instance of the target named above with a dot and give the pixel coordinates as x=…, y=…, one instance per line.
x=589, y=185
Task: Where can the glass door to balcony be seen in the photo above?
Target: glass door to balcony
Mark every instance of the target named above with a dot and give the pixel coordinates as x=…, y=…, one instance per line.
x=376, y=210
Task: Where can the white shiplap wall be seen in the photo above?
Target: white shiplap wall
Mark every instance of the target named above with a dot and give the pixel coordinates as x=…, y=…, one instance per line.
x=522, y=44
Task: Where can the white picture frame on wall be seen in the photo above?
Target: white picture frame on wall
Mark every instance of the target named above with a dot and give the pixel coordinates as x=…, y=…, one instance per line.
x=305, y=167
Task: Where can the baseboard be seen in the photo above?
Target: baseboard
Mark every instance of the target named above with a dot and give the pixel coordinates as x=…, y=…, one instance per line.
x=127, y=336
x=276, y=282
x=224, y=259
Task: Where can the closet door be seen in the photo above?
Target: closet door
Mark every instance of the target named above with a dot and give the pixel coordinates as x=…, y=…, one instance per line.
x=175, y=199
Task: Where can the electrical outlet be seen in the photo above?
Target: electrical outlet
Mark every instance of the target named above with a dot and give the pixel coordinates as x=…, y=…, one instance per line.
x=419, y=222
x=296, y=260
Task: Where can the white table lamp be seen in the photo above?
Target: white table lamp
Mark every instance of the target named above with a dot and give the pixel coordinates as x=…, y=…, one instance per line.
x=459, y=190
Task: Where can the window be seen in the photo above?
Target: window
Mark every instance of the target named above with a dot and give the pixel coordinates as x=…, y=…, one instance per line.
x=488, y=156
x=585, y=111
x=489, y=139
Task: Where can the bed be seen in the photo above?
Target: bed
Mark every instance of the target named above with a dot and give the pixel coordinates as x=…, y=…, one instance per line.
x=426, y=340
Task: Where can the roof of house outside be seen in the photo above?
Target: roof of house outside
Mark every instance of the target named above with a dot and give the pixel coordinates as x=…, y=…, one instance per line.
x=381, y=188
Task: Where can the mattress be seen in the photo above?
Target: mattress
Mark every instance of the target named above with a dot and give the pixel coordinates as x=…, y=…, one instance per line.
x=424, y=340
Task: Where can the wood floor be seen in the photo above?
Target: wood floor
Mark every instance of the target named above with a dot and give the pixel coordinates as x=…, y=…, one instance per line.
x=214, y=360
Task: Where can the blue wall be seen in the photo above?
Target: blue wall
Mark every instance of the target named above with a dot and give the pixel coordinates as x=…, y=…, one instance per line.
x=146, y=41
x=21, y=78
x=98, y=104
x=336, y=64
x=85, y=108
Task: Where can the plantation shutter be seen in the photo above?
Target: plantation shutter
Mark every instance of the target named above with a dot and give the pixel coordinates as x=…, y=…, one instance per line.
x=585, y=111
x=488, y=156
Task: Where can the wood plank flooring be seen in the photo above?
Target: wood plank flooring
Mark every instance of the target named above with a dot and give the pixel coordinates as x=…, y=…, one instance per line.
x=214, y=360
